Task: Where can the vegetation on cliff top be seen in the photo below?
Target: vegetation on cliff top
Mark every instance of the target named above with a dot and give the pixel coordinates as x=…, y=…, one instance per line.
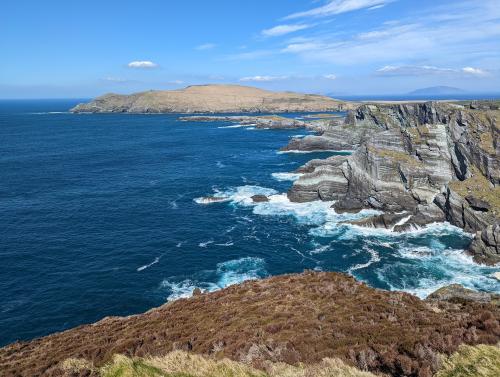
x=292, y=319
x=468, y=361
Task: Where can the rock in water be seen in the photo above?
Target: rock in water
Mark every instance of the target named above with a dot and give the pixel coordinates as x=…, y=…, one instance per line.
x=456, y=292
x=486, y=245
x=260, y=198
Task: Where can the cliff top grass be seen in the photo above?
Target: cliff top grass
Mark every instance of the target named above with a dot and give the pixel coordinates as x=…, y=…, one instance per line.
x=184, y=364
x=479, y=187
x=478, y=361
x=468, y=361
x=397, y=156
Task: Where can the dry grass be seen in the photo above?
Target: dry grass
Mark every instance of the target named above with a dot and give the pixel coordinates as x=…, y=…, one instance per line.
x=183, y=364
x=478, y=361
x=396, y=156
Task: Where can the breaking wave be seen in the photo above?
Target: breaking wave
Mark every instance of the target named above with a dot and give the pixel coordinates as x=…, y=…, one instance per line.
x=286, y=176
x=226, y=273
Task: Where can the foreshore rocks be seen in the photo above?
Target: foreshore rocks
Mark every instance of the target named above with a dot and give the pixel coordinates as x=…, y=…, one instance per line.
x=263, y=121
x=418, y=163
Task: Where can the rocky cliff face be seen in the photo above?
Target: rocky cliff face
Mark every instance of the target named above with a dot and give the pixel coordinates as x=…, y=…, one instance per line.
x=211, y=99
x=427, y=161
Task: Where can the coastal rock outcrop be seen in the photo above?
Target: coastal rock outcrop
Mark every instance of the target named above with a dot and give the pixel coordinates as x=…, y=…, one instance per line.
x=212, y=99
x=263, y=121
x=429, y=161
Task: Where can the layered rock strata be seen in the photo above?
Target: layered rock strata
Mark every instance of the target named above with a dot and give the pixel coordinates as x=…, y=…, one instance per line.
x=426, y=162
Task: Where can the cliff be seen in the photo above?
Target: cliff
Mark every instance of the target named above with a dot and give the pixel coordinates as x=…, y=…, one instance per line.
x=212, y=99
x=419, y=163
x=291, y=319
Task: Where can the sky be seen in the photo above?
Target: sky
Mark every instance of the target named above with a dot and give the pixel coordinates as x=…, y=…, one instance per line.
x=80, y=49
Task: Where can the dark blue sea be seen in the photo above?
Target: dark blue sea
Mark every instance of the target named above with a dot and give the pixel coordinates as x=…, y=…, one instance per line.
x=103, y=215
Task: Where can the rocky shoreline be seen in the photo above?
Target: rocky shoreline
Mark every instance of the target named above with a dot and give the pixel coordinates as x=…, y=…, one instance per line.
x=419, y=163
x=415, y=163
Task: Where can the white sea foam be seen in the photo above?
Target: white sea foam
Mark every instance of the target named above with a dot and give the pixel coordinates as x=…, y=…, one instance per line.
x=226, y=244
x=286, y=176
x=206, y=243
x=315, y=151
x=235, y=126
x=211, y=199
x=424, y=269
x=220, y=165
x=142, y=268
x=50, y=112
x=227, y=273
x=374, y=257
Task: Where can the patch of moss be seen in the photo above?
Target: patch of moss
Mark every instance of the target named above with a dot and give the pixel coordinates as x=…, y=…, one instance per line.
x=479, y=187
x=486, y=142
x=396, y=156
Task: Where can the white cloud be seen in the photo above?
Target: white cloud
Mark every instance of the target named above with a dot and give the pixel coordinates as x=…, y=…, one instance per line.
x=142, y=64
x=283, y=29
x=205, y=46
x=339, y=6
x=263, y=78
x=411, y=70
x=176, y=82
x=474, y=71
x=115, y=79
x=330, y=76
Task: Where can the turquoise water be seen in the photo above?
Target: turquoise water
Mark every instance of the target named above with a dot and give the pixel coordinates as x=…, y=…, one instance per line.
x=100, y=215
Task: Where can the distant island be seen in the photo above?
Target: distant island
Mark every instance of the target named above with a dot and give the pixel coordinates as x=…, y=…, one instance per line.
x=436, y=91
x=211, y=99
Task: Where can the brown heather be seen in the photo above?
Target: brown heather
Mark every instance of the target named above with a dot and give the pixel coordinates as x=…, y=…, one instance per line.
x=292, y=319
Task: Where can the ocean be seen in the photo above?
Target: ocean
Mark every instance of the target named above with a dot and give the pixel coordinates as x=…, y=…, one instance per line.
x=101, y=214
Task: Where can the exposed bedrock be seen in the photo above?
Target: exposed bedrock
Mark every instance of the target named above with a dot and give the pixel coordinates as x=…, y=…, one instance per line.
x=263, y=121
x=418, y=163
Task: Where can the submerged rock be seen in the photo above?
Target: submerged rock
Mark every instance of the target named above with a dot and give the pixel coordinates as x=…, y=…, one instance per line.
x=260, y=198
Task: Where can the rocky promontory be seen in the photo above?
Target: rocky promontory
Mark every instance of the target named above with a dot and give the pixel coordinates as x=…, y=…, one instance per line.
x=418, y=163
x=211, y=99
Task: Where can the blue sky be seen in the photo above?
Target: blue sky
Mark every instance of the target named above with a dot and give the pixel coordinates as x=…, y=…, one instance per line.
x=345, y=47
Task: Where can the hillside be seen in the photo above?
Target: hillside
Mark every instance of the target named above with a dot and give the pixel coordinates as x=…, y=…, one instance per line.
x=284, y=319
x=211, y=99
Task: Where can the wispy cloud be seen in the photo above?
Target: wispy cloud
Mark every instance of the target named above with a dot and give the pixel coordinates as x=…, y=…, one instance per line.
x=145, y=64
x=474, y=71
x=471, y=36
x=330, y=76
x=283, y=29
x=263, y=78
x=409, y=70
x=205, y=46
x=334, y=7
x=117, y=80
x=176, y=82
